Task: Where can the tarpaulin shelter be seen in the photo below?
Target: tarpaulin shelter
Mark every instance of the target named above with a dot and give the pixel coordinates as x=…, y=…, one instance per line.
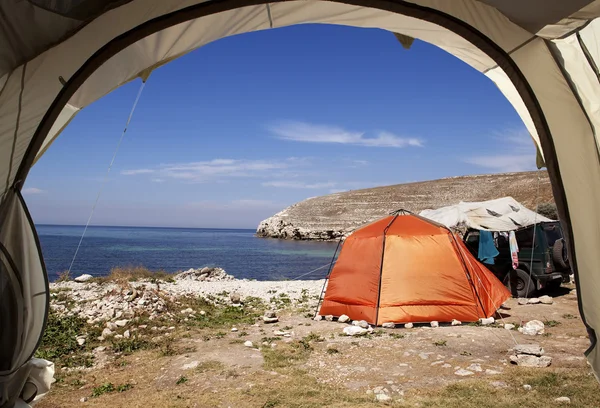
x=57, y=57
x=502, y=214
x=404, y=268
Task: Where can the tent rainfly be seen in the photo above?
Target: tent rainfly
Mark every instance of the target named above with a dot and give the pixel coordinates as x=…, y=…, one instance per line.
x=502, y=214
x=406, y=269
x=57, y=57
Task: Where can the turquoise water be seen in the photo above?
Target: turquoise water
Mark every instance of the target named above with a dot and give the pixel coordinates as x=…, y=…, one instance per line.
x=238, y=251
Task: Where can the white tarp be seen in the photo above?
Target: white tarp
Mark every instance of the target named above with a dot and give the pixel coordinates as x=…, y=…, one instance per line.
x=502, y=214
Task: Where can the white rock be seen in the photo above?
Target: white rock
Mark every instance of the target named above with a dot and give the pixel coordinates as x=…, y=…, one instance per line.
x=456, y=322
x=527, y=387
x=446, y=365
x=498, y=384
x=189, y=310
x=388, y=325
x=435, y=323
x=83, y=399
x=127, y=334
x=526, y=360
x=531, y=349
x=383, y=397
x=475, y=367
x=318, y=318
x=561, y=400
x=329, y=318
x=234, y=329
x=270, y=319
x=354, y=331
x=463, y=373
x=118, y=336
x=270, y=314
x=363, y=324
x=121, y=323
x=522, y=301
x=509, y=326
x=202, y=313
x=248, y=343
x=100, y=349
x=80, y=341
x=487, y=321
x=547, y=300
x=408, y=326
x=532, y=328
x=235, y=297
x=492, y=372
x=190, y=365
x=534, y=301
x=106, y=332
x=83, y=278
x=343, y=319
x=424, y=356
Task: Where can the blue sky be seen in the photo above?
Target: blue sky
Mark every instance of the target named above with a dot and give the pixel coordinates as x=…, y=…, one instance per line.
x=243, y=127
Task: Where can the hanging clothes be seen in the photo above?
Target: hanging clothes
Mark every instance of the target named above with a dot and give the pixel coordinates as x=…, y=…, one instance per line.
x=487, y=249
x=514, y=249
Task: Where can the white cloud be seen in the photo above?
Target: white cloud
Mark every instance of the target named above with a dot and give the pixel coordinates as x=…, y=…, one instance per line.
x=308, y=133
x=518, y=153
x=217, y=169
x=298, y=184
x=32, y=190
x=136, y=171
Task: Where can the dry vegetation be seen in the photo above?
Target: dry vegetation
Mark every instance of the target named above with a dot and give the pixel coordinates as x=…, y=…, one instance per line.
x=203, y=363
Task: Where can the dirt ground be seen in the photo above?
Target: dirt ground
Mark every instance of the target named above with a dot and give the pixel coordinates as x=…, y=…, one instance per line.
x=317, y=366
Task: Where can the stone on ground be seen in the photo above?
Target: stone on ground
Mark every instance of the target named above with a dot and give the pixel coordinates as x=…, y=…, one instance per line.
x=248, y=343
x=343, y=319
x=526, y=360
x=456, y=322
x=531, y=349
x=270, y=313
x=235, y=297
x=190, y=365
x=317, y=318
x=498, y=384
x=80, y=341
x=363, y=324
x=522, y=301
x=106, y=332
x=121, y=323
x=547, y=300
x=127, y=334
x=527, y=387
x=329, y=318
x=509, y=326
x=383, y=397
x=354, y=331
x=475, y=367
x=270, y=319
x=486, y=321
x=388, y=325
x=435, y=323
x=234, y=329
x=408, y=326
x=532, y=328
x=563, y=400
x=83, y=278
x=533, y=301
x=463, y=373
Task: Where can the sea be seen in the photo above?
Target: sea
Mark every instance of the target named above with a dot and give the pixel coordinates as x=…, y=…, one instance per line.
x=238, y=251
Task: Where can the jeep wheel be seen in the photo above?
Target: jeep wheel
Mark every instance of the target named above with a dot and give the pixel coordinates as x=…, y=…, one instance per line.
x=525, y=285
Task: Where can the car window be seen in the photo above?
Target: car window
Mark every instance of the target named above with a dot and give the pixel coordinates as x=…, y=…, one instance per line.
x=524, y=238
x=553, y=233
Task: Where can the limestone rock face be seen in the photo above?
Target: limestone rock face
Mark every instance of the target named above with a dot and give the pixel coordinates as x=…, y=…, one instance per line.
x=334, y=216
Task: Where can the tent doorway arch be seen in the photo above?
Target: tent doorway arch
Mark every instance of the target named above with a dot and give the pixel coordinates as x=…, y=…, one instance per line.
x=541, y=63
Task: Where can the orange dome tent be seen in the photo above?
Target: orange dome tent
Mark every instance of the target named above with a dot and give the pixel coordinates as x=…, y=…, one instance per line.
x=405, y=268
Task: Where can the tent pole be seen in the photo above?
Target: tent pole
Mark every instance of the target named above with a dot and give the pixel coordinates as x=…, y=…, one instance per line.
x=381, y=266
x=327, y=277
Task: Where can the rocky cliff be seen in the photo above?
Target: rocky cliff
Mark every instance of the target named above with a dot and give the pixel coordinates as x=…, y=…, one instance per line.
x=333, y=216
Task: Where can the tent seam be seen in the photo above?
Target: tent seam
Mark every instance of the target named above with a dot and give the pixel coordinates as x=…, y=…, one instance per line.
x=16, y=133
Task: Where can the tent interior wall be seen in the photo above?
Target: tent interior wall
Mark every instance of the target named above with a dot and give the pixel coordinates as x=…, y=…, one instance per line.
x=543, y=58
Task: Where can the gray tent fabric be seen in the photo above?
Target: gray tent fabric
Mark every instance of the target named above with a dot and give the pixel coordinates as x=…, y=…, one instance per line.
x=56, y=58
